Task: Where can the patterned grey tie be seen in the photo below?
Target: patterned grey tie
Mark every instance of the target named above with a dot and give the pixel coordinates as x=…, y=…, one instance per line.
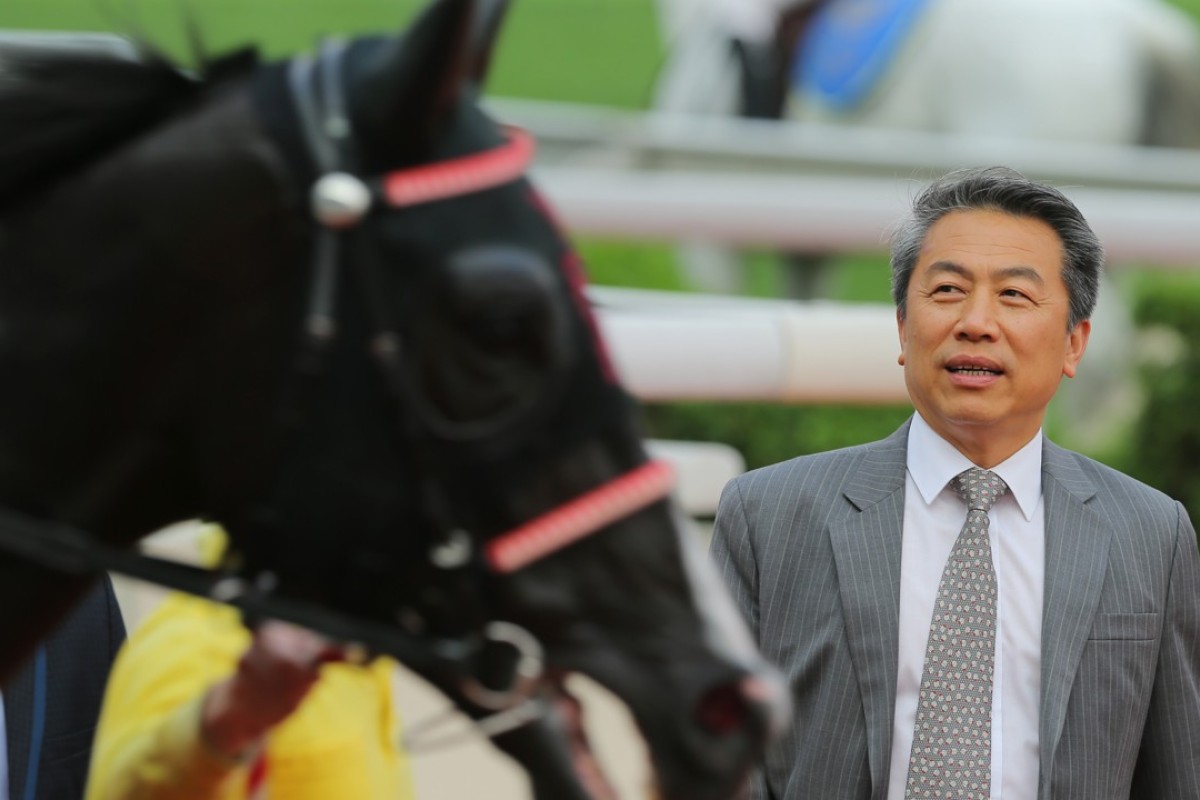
x=952, y=741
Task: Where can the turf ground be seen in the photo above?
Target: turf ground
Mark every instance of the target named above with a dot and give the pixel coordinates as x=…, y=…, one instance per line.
x=594, y=51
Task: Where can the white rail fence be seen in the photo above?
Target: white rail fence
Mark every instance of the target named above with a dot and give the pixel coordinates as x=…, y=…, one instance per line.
x=672, y=346
x=799, y=185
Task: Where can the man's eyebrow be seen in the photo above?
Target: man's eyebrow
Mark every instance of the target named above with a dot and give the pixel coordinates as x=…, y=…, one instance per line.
x=952, y=267
x=1029, y=273
x=1016, y=271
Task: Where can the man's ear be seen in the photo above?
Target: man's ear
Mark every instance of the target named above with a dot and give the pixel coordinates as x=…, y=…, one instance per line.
x=1077, y=341
x=903, y=341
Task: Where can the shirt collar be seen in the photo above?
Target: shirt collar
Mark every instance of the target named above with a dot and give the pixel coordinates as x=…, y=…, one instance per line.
x=933, y=462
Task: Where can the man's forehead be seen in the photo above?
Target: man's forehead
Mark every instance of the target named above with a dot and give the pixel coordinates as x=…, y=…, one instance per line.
x=973, y=239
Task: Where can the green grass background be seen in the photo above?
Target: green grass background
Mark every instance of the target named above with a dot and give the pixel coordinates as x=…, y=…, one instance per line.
x=594, y=51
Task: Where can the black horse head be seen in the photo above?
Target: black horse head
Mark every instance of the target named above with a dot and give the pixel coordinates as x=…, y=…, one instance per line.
x=317, y=302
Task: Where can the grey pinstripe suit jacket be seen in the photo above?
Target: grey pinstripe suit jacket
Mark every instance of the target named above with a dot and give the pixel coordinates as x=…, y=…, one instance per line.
x=811, y=550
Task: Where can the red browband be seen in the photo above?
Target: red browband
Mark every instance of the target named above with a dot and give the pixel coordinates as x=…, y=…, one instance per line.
x=473, y=173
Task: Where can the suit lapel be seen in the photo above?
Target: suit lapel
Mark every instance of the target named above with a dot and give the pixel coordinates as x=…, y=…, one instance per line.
x=866, y=548
x=1077, y=544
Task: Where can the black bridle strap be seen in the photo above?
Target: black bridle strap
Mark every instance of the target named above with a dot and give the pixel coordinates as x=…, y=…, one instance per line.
x=320, y=106
x=317, y=89
x=75, y=552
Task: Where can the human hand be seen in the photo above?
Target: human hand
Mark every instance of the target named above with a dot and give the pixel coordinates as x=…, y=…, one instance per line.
x=273, y=676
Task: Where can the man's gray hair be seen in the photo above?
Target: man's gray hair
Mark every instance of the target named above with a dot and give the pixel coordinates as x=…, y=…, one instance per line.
x=1008, y=191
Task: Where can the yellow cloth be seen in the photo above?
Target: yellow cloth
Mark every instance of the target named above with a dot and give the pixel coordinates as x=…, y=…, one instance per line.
x=343, y=740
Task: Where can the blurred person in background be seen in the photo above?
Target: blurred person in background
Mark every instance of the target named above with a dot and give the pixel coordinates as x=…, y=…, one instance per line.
x=966, y=610
x=200, y=707
x=49, y=708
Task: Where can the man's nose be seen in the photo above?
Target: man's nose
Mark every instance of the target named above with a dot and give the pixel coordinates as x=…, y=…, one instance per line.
x=978, y=319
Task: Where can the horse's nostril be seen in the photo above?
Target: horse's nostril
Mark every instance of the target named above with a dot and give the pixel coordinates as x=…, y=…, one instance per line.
x=723, y=709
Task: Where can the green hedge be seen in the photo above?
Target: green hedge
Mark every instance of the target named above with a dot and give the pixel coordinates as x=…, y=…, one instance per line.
x=767, y=433
x=1164, y=446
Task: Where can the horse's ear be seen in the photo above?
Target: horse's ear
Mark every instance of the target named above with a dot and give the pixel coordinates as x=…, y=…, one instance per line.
x=488, y=19
x=407, y=87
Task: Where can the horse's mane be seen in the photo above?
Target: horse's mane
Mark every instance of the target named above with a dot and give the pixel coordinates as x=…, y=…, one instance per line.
x=63, y=107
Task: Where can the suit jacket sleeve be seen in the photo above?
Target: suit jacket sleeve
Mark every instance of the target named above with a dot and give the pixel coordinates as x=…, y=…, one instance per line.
x=733, y=553
x=1169, y=761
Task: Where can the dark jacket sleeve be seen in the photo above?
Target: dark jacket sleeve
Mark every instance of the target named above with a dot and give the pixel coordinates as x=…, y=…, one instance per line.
x=52, y=705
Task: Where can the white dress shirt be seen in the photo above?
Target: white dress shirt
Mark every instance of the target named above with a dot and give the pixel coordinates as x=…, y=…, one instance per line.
x=933, y=516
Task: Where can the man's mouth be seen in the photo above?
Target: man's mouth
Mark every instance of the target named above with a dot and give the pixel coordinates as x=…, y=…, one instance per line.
x=975, y=371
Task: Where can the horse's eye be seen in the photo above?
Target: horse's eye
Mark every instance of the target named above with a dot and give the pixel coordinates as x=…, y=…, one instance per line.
x=495, y=341
x=506, y=296
x=497, y=328
x=506, y=302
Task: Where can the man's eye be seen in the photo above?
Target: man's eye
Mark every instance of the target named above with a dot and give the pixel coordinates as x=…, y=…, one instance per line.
x=945, y=288
x=1014, y=293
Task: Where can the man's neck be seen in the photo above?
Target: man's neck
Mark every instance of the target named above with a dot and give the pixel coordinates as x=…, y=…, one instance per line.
x=985, y=446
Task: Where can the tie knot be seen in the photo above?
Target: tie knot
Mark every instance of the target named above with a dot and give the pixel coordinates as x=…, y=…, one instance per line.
x=979, y=488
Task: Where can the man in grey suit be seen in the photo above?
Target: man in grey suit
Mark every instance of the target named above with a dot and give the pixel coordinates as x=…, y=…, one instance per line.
x=1076, y=595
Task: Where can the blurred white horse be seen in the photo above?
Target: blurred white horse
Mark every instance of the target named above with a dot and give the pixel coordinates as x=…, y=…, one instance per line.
x=1102, y=71
x=1094, y=71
